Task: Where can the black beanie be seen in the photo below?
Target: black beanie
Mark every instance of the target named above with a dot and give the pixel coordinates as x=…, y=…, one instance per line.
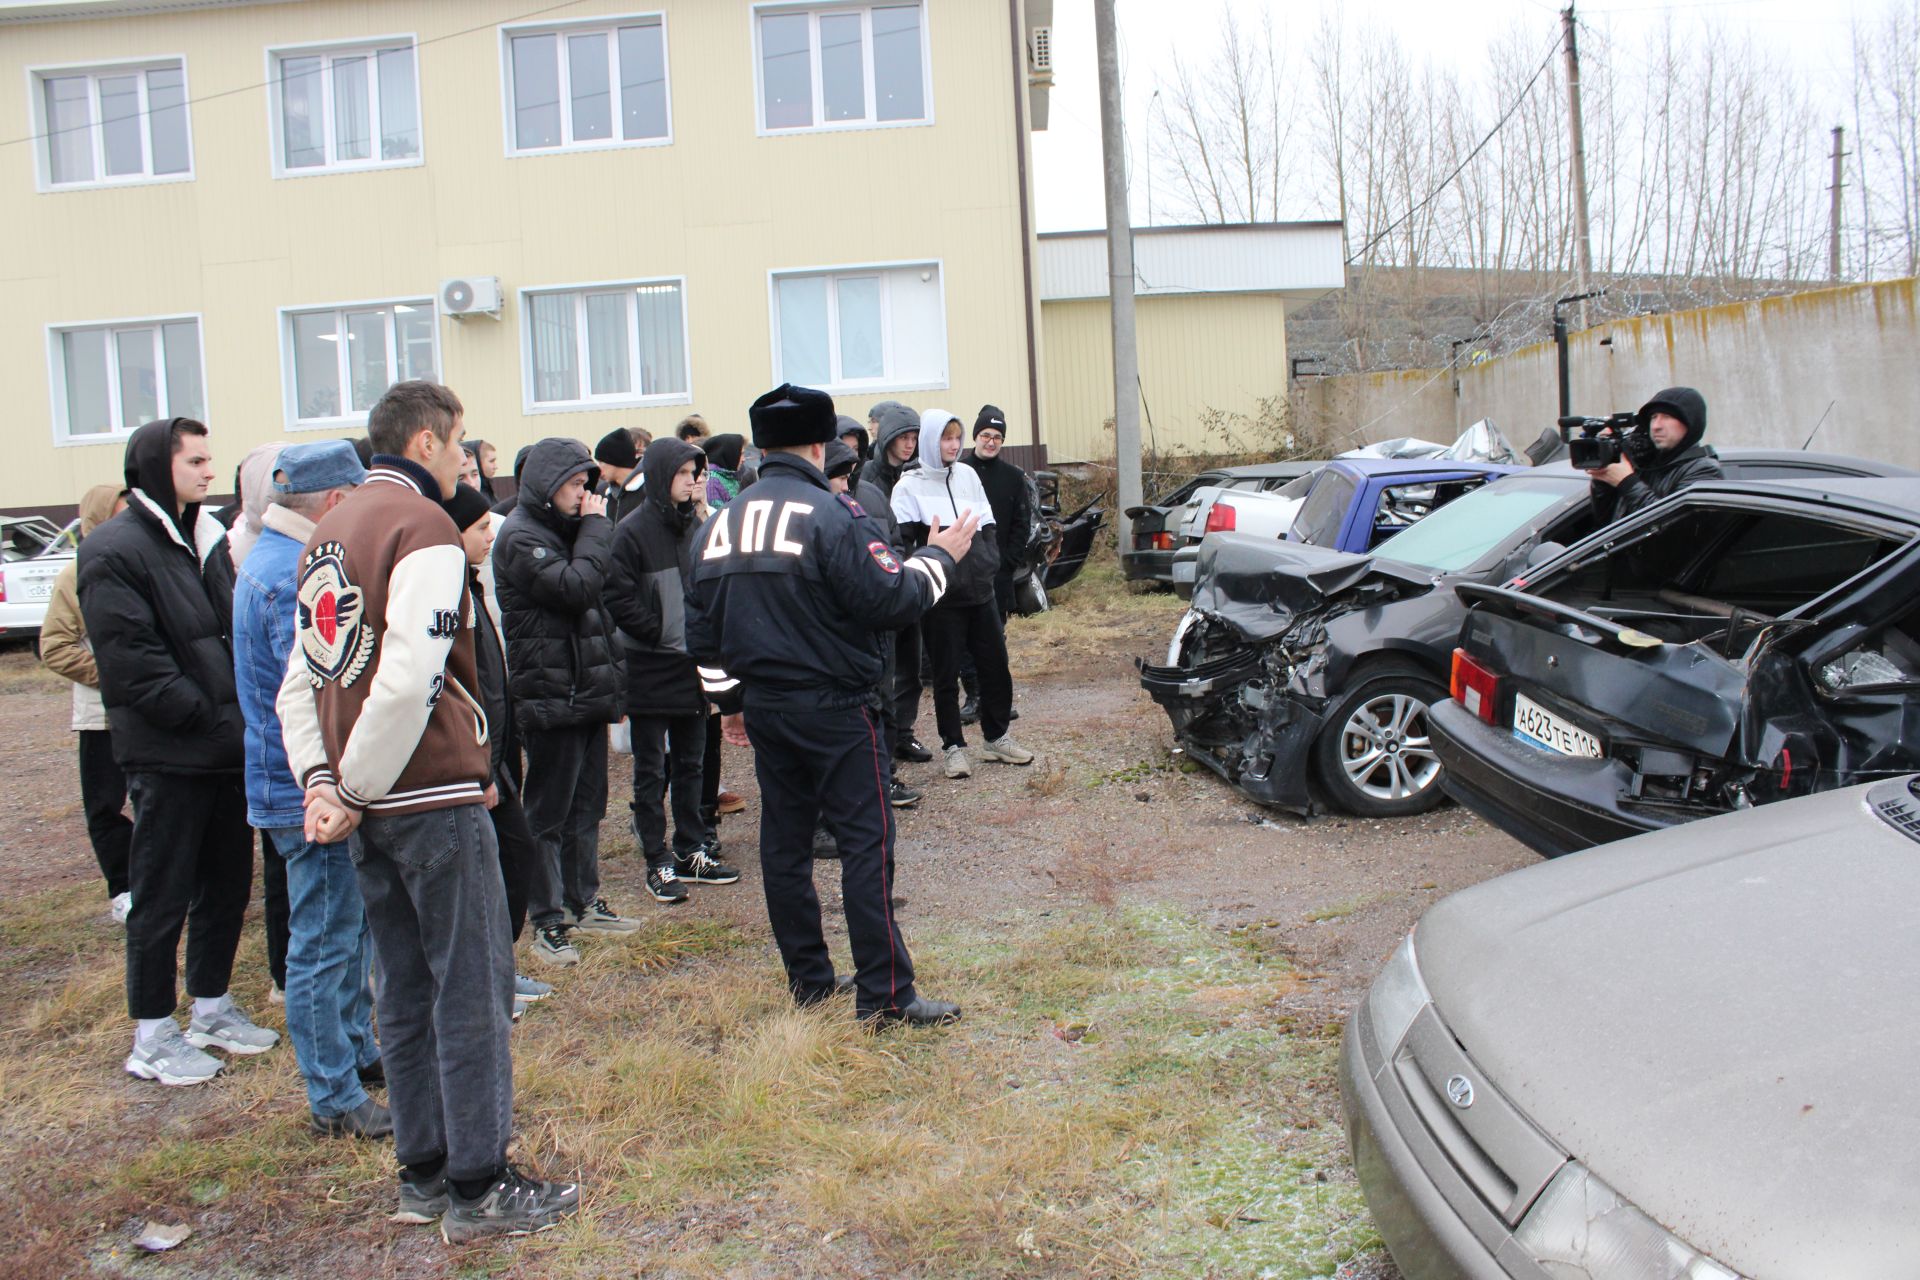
x=616, y=449
x=788, y=416
x=989, y=416
x=840, y=459
x=468, y=506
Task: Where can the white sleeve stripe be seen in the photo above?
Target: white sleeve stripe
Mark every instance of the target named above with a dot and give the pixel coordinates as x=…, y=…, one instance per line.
x=935, y=578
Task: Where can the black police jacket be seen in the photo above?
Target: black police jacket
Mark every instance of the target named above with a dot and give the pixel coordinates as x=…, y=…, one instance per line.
x=793, y=588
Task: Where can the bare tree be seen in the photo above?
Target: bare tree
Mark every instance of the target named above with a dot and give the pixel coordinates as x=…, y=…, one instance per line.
x=1886, y=82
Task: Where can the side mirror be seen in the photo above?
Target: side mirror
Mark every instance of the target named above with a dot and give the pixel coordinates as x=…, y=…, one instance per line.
x=1543, y=552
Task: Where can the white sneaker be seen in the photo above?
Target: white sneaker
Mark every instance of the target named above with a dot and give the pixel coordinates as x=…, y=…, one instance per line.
x=957, y=763
x=276, y=994
x=1006, y=751
x=167, y=1057
x=230, y=1029
x=121, y=905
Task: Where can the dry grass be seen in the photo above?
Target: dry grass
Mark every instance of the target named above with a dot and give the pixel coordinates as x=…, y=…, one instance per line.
x=1118, y=1096
x=21, y=672
x=1094, y=619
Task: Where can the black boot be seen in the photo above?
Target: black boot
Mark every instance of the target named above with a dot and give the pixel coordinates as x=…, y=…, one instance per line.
x=970, y=709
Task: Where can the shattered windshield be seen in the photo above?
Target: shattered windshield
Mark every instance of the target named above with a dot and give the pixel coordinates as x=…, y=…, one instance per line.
x=1457, y=535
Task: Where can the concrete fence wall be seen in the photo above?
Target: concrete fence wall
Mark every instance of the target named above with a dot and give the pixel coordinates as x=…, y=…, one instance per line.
x=1769, y=369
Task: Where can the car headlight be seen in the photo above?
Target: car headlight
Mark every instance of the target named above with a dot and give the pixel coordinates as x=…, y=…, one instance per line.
x=1396, y=998
x=1580, y=1227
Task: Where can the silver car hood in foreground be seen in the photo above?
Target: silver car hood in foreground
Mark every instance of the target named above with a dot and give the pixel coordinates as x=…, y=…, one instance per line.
x=1721, y=1020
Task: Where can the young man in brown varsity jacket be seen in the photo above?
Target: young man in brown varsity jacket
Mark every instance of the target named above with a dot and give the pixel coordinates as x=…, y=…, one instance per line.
x=385, y=730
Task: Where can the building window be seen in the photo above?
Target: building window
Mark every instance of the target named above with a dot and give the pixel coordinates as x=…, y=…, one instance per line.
x=353, y=107
x=109, y=378
x=606, y=344
x=844, y=66
x=861, y=327
x=110, y=125
x=341, y=360
x=580, y=87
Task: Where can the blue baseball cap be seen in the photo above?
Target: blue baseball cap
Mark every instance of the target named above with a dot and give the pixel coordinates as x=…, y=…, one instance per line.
x=317, y=467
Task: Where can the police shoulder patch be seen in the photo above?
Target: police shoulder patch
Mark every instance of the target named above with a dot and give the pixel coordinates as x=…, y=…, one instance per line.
x=883, y=556
x=847, y=502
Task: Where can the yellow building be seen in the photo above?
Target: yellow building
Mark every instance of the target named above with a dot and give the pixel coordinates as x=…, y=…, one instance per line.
x=1211, y=307
x=579, y=215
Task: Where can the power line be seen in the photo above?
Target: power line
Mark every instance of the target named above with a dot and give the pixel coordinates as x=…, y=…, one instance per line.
x=249, y=88
x=1459, y=168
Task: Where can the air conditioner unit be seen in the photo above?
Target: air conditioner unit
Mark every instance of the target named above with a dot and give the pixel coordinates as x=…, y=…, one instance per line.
x=478, y=295
x=1040, y=49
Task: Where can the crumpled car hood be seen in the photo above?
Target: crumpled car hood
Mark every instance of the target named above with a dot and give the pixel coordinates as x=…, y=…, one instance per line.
x=1719, y=1021
x=1260, y=585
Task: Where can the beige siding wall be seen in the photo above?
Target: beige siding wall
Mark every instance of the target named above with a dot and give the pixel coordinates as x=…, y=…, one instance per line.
x=1197, y=352
x=720, y=206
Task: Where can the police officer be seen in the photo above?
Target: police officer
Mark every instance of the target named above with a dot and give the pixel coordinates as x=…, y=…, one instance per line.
x=794, y=588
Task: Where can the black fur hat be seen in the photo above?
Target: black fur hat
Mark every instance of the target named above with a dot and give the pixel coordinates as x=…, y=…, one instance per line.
x=788, y=415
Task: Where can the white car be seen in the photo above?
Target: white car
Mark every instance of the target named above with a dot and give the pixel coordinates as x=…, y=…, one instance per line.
x=33, y=551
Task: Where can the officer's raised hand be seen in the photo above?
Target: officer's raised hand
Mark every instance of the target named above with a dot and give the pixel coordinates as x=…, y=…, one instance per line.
x=957, y=538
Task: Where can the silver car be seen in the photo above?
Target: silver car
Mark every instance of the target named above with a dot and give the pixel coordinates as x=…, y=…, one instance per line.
x=1685, y=1055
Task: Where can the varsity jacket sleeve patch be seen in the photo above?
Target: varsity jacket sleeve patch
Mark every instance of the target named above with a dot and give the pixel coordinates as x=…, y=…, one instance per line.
x=409, y=677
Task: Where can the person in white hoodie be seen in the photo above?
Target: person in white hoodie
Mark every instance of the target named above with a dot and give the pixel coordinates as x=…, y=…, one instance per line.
x=964, y=621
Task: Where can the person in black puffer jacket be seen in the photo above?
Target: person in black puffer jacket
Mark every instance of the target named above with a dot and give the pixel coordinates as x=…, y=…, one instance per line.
x=156, y=590
x=566, y=675
x=1663, y=454
x=667, y=707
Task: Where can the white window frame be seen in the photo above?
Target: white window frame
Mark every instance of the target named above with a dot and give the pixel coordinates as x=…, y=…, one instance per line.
x=763, y=8
x=326, y=50
x=289, y=371
x=834, y=274
x=37, y=76
x=610, y=27
x=57, y=372
x=615, y=400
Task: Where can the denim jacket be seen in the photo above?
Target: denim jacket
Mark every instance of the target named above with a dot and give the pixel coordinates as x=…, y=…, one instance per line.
x=264, y=609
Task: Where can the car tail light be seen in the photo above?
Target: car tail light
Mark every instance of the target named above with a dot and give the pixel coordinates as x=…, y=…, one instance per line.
x=1473, y=686
x=3, y=587
x=1163, y=542
x=1222, y=518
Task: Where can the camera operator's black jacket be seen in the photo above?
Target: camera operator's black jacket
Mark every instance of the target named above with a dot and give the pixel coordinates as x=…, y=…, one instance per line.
x=1663, y=471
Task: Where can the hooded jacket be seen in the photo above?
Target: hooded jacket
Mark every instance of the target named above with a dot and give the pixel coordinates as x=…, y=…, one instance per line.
x=564, y=665
x=724, y=475
x=1659, y=472
x=933, y=491
x=895, y=421
x=647, y=588
x=63, y=632
x=156, y=590
x=256, y=494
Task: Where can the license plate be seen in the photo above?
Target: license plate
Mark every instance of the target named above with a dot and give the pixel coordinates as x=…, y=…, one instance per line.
x=1536, y=726
x=33, y=590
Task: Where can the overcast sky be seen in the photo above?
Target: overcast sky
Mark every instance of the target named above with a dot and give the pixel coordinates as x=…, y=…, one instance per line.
x=1067, y=181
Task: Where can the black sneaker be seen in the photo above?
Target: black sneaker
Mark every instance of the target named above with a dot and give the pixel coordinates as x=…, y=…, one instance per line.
x=665, y=885
x=970, y=710
x=368, y=1120
x=421, y=1201
x=919, y=1012
x=913, y=750
x=901, y=796
x=515, y=1205
x=825, y=847
x=374, y=1072
x=702, y=867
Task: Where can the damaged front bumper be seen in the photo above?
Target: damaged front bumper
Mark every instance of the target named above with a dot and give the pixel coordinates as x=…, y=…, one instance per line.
x=1230, y=718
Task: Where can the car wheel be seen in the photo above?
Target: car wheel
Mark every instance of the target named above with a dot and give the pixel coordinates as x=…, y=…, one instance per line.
x=1374, y=755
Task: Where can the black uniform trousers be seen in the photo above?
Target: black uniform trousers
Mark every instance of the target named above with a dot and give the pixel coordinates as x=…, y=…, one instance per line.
x=831, y=765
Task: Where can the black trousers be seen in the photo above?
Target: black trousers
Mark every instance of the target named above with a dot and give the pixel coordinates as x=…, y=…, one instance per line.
x=517, y=848
x=565, y=798
x=969, y=629
x=279, y=914
x=830, y=764
x=669, y=754
x=190, y=866
x=906, y=685
x=103, y=794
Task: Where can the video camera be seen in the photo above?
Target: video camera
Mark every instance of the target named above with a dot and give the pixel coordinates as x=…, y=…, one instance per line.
x=1591, y=450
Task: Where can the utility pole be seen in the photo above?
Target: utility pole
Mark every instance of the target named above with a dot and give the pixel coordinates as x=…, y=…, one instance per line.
x=1126, y=355
x=1833, y=217
x=1583, y=243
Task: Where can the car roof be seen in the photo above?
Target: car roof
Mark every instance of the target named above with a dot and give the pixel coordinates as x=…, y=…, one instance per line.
x=1265, y=470
x=1420, y=466
x=1899, y=495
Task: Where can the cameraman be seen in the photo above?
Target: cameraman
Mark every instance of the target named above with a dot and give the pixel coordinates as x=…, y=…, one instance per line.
x=1662, y=454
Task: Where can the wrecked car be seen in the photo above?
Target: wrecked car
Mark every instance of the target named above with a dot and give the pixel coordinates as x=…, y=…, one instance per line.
x=1163, y=526
x=1061, y=543
x=1735, y=644
x=1303, y=675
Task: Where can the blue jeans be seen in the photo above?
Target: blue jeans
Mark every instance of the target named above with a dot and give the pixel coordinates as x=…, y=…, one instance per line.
x=329, y=1006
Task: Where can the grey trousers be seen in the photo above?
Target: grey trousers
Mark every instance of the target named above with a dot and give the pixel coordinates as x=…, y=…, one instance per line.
x=443, y=953
x=565, y=799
